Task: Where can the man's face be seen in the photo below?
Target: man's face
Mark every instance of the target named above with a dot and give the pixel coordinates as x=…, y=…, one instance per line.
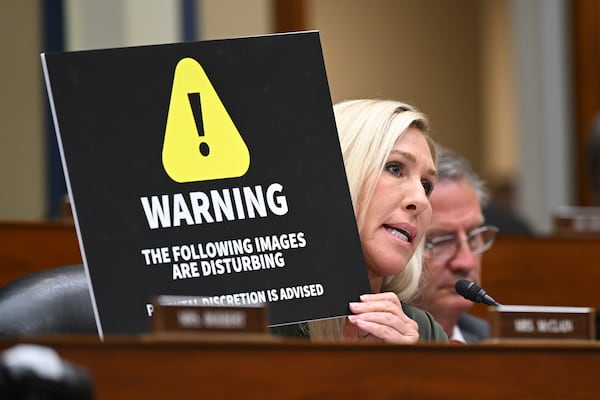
x=456, y=211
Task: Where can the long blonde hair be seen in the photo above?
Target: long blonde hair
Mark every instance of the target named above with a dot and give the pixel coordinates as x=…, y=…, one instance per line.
x=368, y=130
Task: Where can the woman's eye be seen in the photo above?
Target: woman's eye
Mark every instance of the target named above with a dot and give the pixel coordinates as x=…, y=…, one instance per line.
x=396, y=169
x=428, y=186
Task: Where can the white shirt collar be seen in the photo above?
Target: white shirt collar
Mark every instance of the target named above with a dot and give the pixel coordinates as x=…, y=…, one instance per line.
x=457, y=335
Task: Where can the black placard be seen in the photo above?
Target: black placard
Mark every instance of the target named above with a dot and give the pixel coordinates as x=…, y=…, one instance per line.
x=207, y=169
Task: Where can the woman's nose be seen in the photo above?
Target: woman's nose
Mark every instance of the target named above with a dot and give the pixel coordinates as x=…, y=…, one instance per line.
x=416, y=201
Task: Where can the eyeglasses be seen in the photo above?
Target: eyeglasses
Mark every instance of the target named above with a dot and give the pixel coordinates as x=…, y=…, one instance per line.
x=445, y=247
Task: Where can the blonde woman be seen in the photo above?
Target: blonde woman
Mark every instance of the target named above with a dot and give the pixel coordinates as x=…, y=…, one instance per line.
x=391, y=171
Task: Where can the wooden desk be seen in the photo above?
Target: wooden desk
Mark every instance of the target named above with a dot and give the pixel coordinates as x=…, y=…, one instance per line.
x=129, y=368
x=27, y=247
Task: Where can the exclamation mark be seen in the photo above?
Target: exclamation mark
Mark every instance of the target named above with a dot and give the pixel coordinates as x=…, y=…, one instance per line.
x=194, y=99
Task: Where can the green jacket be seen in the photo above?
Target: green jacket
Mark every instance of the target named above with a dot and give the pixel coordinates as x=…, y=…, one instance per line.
x=429, y=329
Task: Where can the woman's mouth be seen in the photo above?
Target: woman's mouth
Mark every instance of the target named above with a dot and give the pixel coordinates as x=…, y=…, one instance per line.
x=399, y=233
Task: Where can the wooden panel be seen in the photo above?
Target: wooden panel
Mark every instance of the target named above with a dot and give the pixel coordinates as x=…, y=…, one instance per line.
x=542, y=271
x=586, y=88
x=27, y=247
x=134, y=369
x=289, y=15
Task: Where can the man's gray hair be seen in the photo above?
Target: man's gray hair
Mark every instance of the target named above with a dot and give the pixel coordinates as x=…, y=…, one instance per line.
x=453, y=167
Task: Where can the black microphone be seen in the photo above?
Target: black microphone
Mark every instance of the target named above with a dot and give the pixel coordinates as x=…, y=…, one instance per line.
x=472, y=291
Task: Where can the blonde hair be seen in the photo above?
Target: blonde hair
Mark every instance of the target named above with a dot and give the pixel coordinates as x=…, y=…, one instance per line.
x=368, y=130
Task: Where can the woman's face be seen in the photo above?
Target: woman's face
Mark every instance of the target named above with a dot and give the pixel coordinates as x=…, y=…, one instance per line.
x=399, y=212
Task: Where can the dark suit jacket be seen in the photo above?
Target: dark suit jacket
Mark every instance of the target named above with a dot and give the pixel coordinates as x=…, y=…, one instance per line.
x=474, y=329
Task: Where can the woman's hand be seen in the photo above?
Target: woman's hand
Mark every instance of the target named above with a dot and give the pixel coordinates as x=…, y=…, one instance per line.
x=379, y=317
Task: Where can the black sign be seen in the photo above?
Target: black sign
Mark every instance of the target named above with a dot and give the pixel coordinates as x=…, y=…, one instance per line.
x=208, y=169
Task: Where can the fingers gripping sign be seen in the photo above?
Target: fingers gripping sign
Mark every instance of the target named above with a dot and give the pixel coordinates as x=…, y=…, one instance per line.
x=379, y=317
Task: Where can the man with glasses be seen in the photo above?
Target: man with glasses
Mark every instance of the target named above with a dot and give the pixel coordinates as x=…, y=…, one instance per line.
x=457, y=236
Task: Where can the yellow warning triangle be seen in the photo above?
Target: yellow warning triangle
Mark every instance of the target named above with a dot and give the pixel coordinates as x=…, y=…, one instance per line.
x=201, y=141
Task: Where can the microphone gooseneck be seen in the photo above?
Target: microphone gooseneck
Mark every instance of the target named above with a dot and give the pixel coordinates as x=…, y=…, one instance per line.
x=472, y=291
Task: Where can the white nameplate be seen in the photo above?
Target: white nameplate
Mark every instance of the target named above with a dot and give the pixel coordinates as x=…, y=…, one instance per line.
x=542, y=322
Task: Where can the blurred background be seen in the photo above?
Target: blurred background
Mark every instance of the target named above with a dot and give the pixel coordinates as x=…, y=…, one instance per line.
x=513, y=85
